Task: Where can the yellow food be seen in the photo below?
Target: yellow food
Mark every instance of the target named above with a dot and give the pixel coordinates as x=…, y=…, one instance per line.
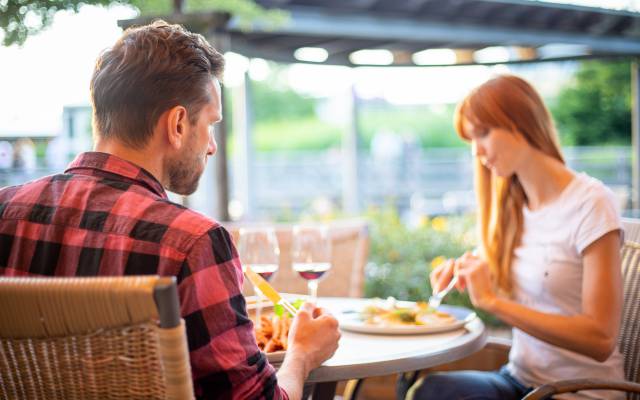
x=390, y=313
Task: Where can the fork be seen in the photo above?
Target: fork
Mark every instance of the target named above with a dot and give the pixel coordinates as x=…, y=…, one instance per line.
x=436, y=299
x=269, y=292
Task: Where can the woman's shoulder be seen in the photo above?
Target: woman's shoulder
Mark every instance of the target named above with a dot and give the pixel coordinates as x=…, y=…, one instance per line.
x=588, y=199
x=596, y=210
x=587, y=189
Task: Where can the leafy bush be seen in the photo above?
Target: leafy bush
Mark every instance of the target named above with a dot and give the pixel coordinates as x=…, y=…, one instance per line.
x=595, y=107
x=401, y=257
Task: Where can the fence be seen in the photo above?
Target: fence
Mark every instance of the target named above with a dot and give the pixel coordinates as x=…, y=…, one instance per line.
x=431, y=181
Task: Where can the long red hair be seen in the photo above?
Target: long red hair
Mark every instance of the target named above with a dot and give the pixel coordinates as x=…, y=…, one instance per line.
x=510, y=103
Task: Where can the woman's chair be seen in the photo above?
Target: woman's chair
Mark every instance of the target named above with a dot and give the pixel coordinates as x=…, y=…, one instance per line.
x=92, y=338
x=629, y=334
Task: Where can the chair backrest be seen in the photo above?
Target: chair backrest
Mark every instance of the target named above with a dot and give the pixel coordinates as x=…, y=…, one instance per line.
x=350, y=249
x=630, y=329
x=92, y=338
x=631, y=229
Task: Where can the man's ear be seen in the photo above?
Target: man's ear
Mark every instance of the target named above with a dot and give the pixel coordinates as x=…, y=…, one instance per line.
x=177, y=120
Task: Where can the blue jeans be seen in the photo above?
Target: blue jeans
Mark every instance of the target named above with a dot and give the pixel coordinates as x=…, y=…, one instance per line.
x=468, y=385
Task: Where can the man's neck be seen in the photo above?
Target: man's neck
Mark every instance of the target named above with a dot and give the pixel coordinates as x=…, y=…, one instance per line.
x=145, y=158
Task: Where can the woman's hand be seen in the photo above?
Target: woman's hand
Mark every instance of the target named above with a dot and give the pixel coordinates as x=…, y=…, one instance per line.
x=474, y=276
x=441, y=275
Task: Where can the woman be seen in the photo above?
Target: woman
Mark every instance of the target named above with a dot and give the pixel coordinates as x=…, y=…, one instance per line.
x=549, y=264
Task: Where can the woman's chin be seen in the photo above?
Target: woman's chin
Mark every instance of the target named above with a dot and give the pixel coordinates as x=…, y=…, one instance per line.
x=501, y=173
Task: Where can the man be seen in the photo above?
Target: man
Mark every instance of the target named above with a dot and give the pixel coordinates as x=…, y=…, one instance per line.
x=156, y=97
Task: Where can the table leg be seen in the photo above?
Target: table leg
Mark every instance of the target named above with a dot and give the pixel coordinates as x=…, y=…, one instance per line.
x=307, y=389
x=352, y=388
x=324, y=391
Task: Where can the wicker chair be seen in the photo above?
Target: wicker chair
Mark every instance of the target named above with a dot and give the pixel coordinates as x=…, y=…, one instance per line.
x=350, y=248
x=92, y=338
x=631, y=229
x=629, y=337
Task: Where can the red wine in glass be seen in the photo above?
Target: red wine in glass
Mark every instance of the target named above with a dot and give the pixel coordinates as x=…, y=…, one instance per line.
x=311, y=271
x=264, y=270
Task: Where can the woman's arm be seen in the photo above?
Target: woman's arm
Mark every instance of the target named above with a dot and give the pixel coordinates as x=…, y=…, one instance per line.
x=592, y=333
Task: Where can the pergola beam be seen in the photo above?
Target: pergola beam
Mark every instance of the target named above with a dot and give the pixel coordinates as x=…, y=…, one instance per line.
x=314, y=23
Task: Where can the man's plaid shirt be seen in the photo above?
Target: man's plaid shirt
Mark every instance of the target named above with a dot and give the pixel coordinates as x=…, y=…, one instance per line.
x=106, y=216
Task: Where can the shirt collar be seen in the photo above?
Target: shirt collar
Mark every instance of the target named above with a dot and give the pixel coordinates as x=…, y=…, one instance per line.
x=104, y=164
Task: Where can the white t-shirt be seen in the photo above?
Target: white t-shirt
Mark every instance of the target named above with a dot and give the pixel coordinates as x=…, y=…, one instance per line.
x=547, y=276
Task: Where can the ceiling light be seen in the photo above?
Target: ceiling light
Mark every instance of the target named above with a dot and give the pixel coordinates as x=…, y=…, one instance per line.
x=371, y=57
x=311, y=54
x=435, y=57
x=489, y=55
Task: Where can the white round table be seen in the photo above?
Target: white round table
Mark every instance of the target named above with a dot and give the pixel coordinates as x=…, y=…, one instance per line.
x=362, y=355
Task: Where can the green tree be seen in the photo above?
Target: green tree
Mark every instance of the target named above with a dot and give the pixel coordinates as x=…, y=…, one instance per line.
x=279, y=103
x=596, y=107
x=20, y=19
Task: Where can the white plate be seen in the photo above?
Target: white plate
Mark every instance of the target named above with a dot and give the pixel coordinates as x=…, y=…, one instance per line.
x=352, y=322
x=276, y=357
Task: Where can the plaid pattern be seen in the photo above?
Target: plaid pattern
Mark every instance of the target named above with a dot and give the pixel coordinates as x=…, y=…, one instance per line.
x=106, y=216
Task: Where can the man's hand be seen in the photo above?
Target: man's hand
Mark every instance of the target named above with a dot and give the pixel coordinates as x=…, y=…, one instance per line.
x=314, y=334
x=313, y=338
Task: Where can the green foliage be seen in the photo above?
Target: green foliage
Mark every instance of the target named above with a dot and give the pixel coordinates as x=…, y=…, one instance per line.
x=431, y=125
x=296, y=134
x=286, y=120
x=595, y=108
x=20, y=19
x=279, y=103
x=247, y=12
x=401, y=258
x=283, y=118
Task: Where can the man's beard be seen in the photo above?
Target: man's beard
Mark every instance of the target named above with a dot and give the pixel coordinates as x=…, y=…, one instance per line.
x=183, y=172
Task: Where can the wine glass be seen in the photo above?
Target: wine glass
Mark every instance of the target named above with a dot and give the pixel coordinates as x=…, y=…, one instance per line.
x=258, y=249
x=311, y=255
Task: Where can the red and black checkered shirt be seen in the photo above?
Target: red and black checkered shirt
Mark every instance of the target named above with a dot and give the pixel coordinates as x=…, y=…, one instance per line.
x=106, y=216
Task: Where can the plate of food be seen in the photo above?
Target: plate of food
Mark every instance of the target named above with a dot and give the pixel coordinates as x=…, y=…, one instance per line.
x=272, y=330
x=393, y=317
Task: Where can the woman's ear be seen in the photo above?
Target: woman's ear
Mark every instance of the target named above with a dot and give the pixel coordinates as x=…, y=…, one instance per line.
x=177, y=126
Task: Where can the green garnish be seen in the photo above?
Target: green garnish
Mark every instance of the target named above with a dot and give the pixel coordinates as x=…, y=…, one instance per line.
x=279, y=310
x=405, y=315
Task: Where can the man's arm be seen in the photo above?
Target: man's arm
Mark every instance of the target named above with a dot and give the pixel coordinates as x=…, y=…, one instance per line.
x=225, y=358
x=313, y=338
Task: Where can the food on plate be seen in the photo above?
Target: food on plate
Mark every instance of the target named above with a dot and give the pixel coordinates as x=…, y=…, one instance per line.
x=392, y=312
x=272, y=330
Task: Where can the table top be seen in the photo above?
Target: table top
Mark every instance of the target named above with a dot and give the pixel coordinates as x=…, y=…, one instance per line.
x=361, y=355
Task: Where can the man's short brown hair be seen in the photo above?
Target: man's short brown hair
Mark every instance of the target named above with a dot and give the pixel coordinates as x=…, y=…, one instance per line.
x=149, y=70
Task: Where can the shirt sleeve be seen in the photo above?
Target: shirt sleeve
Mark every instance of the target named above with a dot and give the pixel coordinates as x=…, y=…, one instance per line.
x=225, y=359
x=598, y=215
